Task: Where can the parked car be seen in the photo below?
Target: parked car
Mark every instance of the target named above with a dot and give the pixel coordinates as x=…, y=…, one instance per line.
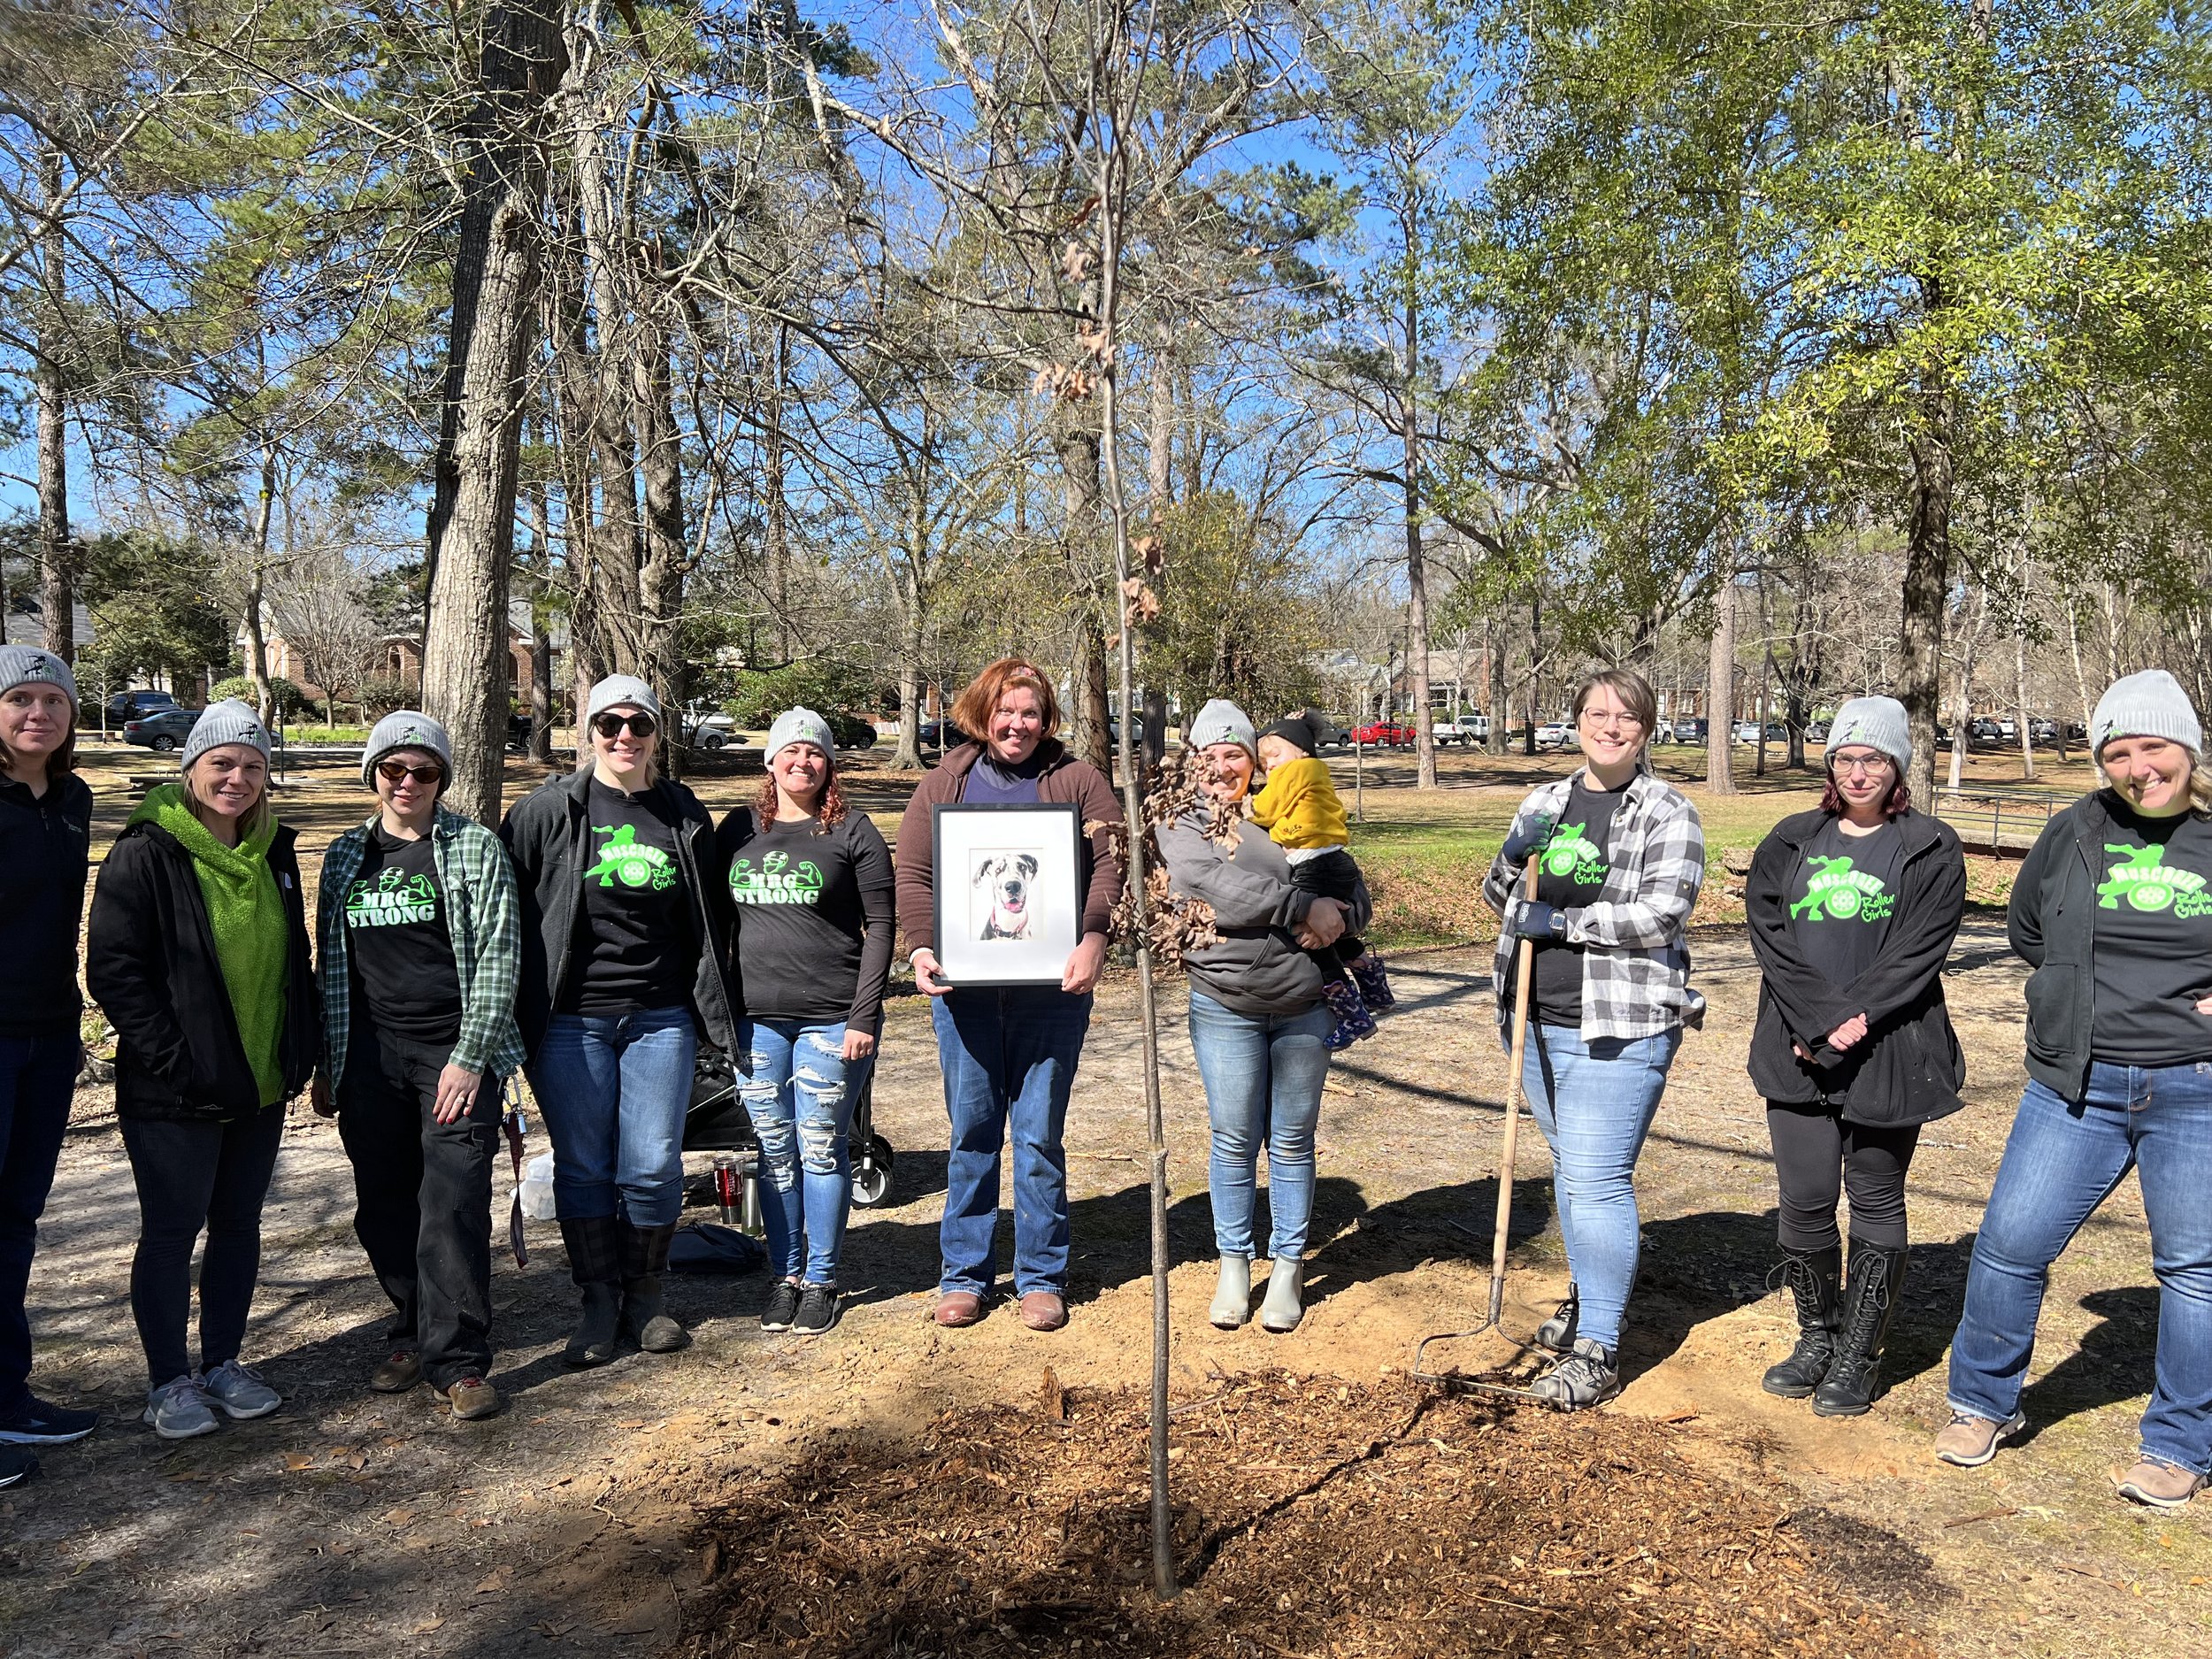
x=1816, y=733
x=941, y=734
x=165, y=730
x=1748, y=731
x=708, y=727
x=126, y=706
x=2042, y=730
x=1557, y=734
x=1689, y=729
x=1467, y=728
x=1385, y=734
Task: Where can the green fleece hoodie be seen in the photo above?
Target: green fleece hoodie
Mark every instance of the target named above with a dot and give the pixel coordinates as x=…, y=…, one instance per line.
x=246, y=913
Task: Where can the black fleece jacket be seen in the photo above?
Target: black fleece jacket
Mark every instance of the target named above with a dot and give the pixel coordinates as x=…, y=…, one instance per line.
x=547, y=835
x=45, y=847
x=1908, y=1067
x=151, y=963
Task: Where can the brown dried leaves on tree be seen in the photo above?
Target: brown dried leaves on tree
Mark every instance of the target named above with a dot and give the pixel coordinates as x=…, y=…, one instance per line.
x=1173, y=790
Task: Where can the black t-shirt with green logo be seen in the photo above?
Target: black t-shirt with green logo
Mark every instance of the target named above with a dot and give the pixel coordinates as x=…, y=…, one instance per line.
x=1843, y=897
x=399, y=943
x=808, y=903
x=1571, y=873
x=635, y=949
x=2154, y=948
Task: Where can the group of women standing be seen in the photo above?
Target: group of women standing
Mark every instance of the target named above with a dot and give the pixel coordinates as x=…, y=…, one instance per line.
x=609, y=925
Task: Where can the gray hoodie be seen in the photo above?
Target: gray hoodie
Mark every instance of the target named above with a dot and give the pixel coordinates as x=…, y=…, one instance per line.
x=1257, y=967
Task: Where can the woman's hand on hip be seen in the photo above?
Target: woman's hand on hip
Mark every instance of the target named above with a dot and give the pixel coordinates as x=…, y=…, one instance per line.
x=457, y=1092
x=1085, y=963
x=926, y=973
x=1323, y=924
x=858, y=1045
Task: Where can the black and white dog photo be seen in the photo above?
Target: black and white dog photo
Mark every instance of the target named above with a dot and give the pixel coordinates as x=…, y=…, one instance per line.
x=1005, y=882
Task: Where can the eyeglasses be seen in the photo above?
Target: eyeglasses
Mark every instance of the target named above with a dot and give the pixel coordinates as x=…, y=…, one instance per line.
x=1610, y=720
x=1859, y=764
x=609, y=725
x=395, y=771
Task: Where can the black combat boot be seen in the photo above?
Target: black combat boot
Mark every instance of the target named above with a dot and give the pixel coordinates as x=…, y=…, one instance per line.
x=1815, y=1278
x=1870, y=1303
x=595, y=1262
x=645, y=1316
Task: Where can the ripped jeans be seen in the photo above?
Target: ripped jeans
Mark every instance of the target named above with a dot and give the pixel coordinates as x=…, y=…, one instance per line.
x=799, y=1090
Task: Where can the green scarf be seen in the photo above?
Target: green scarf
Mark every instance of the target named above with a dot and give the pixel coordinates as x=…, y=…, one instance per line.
x=246, y=913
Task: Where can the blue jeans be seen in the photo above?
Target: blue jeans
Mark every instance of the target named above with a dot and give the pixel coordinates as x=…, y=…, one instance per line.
x=614, y=1092
x=799, y=1092
x=2061, y=1161
x=1262, y=1076
x=38, y=1075
x=1008, y=1059
x=1594, y=1103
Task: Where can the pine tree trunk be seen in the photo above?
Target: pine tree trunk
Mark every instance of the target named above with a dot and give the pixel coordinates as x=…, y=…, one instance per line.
x=661, y=582
x=465, y=648
x=1720, y=691
x=1076, y=446
x=56, y=560
x=1417, y=571
x=1928, y=577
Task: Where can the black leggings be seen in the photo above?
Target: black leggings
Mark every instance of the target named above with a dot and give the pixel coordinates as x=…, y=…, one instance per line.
x=192, y=1176
x=1818, y=1156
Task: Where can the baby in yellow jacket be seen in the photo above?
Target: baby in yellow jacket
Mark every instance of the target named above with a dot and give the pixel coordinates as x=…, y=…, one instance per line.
x=1299, y=810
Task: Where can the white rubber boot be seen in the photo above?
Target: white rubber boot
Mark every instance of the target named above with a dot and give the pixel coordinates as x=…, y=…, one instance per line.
x=1284, y=1306
x=1232, y=1300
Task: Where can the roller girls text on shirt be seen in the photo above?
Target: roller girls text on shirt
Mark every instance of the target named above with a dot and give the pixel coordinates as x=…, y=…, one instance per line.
x=2148, y=883
x=1835, y=891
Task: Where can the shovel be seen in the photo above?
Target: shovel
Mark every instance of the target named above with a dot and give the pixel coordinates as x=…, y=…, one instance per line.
x=1494, y=1381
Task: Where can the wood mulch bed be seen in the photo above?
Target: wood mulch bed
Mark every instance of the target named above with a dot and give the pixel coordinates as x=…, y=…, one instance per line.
x=1311, y=1518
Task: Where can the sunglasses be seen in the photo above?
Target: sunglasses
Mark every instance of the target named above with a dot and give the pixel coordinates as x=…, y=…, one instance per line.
x=394, y=772
x=609, y=725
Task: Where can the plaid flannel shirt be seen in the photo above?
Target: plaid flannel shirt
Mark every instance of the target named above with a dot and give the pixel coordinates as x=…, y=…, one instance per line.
x=1635, y=961
x=477, y=886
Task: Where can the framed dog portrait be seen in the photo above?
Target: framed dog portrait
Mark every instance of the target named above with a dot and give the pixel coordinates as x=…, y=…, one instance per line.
x=1009, y=903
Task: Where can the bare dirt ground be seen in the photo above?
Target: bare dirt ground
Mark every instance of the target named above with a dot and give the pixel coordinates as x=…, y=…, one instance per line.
x=593, y=1516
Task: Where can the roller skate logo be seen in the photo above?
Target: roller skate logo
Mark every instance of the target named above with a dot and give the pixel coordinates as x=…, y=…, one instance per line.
x=1572, y=853
x=776, y=881
x=623, y=860
x=2149, y=884
x=394, y=899
x=1837, y=891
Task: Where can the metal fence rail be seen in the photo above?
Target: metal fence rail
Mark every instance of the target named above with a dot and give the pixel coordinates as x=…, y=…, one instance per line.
x=2003, y=820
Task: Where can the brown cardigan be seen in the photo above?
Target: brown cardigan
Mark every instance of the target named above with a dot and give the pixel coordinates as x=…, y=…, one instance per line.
x=1064, y=778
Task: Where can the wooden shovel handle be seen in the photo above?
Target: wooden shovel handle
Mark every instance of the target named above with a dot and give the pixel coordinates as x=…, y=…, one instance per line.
x=1524, y=975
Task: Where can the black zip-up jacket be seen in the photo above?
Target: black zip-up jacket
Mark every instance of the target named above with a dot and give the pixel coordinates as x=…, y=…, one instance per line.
x=2051, y=921
x=546, y=835
x=45, y=848
x=151, y=963
x=1908, y=1067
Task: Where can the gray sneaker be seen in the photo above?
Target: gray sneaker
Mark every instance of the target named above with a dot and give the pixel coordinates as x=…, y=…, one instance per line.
x=1585, y=1377
x=238, y=1391
x=1556, y=1334
x=179, y=1411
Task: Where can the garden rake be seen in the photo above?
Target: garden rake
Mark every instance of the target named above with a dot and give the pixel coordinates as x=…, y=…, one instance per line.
x=1498, y=1379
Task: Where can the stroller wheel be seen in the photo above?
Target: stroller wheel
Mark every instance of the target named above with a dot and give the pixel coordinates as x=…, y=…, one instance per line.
x=871, y=1172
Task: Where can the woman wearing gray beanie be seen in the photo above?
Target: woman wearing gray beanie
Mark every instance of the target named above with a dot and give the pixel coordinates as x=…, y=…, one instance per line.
x=2113, y=911
x=1852, y=909
x=623, y=903
x=811, y=917
x=45, y=842
x=421, y=948
x=197, y=953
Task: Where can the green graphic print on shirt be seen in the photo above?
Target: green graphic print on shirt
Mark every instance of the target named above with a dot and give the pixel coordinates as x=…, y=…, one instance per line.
x=622, y=858
x=776, y=881
x=1573, y=855
x=2148, y=883
x=392, y=899
x=1834, y=890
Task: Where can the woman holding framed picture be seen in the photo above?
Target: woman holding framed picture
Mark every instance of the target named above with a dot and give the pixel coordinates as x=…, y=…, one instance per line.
x=1010, y=1024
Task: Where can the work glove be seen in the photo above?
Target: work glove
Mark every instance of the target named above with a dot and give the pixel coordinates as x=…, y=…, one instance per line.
x=1528, y=835
x=1529, y=918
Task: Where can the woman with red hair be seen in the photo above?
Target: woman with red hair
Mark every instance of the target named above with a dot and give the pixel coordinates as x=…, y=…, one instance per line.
x=1009, y=1053
x=1852, y=909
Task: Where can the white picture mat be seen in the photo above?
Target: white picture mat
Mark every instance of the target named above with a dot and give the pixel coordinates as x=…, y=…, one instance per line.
x=1007, y=868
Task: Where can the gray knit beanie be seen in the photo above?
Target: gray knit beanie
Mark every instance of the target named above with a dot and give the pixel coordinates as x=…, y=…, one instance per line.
x=800, y=726
x=1221, y=721
x=1878, y=723
x=229, y=721
x=620, y=688
x=406, y=728
x=2148, y=704
x=21, y=664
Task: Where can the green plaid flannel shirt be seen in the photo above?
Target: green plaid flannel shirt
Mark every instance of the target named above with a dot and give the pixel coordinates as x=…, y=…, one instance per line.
x=477, y=886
